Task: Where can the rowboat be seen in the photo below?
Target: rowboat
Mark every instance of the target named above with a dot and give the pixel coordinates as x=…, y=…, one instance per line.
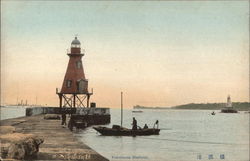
x=117, y=130
x=121, y=131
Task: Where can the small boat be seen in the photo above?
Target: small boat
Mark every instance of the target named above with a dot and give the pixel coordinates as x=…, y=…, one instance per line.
x=117, y=130
x=137, y=111
x=213, y=113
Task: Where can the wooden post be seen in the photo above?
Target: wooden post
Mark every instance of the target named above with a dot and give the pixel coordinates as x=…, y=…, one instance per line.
x=121, y=108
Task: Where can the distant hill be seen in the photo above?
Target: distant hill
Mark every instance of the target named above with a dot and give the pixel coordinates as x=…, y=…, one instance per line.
x=240, y=106
x=144, y=107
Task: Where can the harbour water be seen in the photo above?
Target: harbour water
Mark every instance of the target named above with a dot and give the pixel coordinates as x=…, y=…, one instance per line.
x=12, y=112
x=186, y=135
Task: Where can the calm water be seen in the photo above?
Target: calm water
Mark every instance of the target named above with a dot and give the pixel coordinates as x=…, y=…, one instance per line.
x=12, y=112
x=187, y=135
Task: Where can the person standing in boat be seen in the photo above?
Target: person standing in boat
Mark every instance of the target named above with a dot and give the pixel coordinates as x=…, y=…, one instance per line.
x=134, y=124
x=156, y=123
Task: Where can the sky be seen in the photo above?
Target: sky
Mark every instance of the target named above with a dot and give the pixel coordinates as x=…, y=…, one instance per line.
x=161, y=53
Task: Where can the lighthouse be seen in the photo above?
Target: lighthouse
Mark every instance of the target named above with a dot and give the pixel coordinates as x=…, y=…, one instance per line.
x=74, y=91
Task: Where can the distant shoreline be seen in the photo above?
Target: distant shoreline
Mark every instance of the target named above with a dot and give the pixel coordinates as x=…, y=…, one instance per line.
x=240, y=106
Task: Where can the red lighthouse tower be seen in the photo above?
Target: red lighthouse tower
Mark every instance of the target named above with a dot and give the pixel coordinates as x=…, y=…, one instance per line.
x=74, y=91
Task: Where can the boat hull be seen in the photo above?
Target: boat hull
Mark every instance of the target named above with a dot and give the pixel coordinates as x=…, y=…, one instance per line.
x=226, y=110
x=126, y=132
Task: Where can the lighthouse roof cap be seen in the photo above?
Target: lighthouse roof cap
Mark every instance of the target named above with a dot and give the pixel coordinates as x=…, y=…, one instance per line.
x=75, y=42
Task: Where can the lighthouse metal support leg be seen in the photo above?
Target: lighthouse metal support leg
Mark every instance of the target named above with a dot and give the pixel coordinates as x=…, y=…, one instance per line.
x=80, y=100
x=67, y=101
x=60, y=100
x=74, y=101
x=88, y=96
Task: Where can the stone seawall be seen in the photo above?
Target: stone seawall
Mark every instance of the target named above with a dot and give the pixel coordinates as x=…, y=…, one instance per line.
x=56, y=110
x=82, y=117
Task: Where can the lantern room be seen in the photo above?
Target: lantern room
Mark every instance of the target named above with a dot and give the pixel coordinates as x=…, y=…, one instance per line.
x=75, y=46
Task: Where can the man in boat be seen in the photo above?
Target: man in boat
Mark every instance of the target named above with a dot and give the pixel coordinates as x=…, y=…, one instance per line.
x=134, y=124
x=145, y=126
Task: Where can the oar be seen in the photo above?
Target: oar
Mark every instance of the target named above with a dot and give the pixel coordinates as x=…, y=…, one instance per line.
x=166, y=128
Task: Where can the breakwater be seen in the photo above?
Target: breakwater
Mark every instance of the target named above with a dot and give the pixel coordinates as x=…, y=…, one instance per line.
x=56, y=110
x=59, y=142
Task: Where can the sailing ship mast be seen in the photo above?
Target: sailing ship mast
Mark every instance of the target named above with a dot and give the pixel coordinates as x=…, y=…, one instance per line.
x=121, y=108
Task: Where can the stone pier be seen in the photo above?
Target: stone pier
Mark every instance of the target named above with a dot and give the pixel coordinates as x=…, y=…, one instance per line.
x=59, y=142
